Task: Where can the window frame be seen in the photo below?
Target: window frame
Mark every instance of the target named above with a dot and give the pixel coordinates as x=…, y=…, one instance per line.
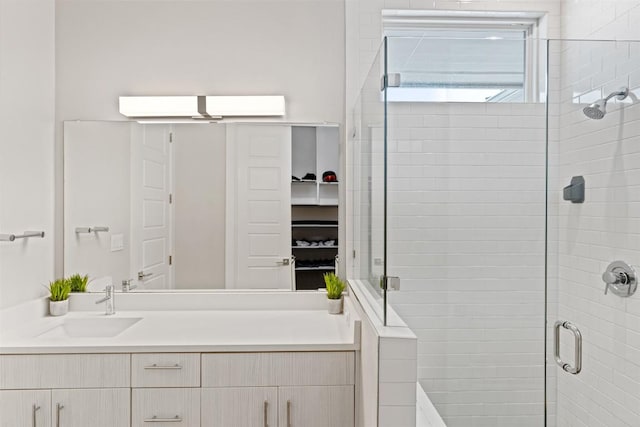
x=407, y=22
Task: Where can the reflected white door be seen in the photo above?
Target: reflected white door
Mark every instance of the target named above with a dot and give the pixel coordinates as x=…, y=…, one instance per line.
x=150, y=207
x=258, y=236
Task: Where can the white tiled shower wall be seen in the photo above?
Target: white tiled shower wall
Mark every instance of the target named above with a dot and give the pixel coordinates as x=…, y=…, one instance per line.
x=466, y=235
x=607, y=226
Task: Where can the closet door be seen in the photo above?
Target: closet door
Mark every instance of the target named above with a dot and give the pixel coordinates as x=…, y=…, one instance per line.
x=258, y=207
x=151, y=213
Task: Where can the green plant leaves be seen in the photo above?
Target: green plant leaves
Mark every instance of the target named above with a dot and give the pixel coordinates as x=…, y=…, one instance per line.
x=334, y=284
x=59, y=289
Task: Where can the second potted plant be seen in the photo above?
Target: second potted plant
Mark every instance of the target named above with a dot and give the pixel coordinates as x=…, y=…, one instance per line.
x=78, y=283
x=335, y=286
x=59, y=297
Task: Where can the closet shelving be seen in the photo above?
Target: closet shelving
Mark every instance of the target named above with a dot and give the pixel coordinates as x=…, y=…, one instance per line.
x=314, y=203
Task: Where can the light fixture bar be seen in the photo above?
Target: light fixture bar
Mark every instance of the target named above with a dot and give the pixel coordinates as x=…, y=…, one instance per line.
x=252, y=106
x=159, y=106
x=201, y=107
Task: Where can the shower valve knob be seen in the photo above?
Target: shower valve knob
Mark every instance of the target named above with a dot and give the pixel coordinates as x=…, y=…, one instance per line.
x=620, y=278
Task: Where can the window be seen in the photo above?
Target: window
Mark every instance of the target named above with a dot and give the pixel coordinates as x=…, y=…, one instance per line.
x=439, y=56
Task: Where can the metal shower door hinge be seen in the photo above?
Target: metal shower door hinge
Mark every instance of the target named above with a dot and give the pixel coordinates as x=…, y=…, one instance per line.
x=390, y=80
x=391, y=283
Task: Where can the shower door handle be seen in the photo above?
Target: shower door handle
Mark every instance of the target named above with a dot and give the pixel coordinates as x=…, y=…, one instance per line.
x=577, y=367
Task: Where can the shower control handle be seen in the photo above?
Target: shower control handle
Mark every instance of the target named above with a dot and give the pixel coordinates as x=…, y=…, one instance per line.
x=620, y=278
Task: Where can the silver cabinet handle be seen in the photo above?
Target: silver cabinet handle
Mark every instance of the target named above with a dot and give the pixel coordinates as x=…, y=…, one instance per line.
x=266, y=413
x=156, y=419
x=59, y=407
x=142, y=275
x=288, y=413
x=578, y=347
x=155, y=366
x=36, y=408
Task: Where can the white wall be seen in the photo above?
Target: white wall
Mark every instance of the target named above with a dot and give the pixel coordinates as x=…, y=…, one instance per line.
x=605, y=228
x=110, y=48
x=26, y=146
x=600, y=19
x=97, y=158
x=466, y=237
x=199, y=171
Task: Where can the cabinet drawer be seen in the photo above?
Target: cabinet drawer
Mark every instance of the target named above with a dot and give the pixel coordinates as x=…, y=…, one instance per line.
x=31, y=371
x=277, y=369
x=171, y=406
x=165, y=370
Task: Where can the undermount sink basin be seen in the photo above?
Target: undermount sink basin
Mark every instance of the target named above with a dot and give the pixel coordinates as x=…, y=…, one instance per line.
x=91, y=327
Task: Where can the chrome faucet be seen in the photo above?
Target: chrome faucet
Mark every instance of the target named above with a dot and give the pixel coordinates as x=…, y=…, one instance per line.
x=127, y=286
x=109, y=298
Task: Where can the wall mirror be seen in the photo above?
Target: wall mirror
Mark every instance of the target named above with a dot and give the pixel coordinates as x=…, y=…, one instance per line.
x=201, y=206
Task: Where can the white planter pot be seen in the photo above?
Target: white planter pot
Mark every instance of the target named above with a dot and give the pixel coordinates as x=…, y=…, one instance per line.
x=58, y=308
x=335, y=305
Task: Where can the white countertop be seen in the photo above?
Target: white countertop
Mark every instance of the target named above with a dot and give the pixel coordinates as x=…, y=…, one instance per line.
x=193, y=331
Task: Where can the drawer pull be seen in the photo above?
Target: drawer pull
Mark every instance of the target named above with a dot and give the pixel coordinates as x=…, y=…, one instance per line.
x=266, y=413
x=155, y=419
x=156, y=366
x=36, y=408
x=59, y=407
x=288, y=413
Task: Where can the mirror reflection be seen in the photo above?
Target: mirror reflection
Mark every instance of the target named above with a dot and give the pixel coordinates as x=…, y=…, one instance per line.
x=200, y=206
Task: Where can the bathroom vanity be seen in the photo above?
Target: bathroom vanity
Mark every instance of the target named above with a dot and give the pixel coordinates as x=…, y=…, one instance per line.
x=271, y=367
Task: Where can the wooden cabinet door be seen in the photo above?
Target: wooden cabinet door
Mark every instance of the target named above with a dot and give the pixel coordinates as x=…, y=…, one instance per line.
x=30, y=408
x=109, y=407
x=316, y=406
x=239, y=407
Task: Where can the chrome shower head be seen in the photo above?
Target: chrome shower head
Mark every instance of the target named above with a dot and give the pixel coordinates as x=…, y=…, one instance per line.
x=598, y=109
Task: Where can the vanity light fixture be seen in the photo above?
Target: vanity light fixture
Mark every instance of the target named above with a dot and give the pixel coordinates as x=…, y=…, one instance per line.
x=208, y=108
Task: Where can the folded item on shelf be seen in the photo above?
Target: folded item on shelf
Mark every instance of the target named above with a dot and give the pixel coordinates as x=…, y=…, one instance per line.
x=329, y=176
x=314, y=243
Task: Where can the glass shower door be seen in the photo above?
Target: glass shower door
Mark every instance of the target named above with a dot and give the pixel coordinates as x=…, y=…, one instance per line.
x=368, y=152
x=593, y=314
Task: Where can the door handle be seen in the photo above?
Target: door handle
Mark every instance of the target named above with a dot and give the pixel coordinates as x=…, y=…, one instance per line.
x=288, y=413
x=577, y=367
x=142, y=275
x=285, y=261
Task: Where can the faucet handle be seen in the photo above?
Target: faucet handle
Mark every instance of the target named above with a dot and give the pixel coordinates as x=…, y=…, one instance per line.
x=127, y=286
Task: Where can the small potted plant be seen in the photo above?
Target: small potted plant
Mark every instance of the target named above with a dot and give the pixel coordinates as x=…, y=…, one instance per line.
x=335, y=286
x=59, y=297
x=78, y=283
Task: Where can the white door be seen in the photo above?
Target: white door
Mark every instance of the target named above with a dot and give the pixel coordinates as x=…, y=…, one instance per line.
x=108, y=407
x=25, y=408
x=316, y=406
x=150, y=206
x=239, y=407
x=259, y=207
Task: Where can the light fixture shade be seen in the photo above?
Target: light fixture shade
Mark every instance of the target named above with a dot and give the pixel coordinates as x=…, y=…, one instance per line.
x=252, y=106
x=199, y=107
x=159, y=106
